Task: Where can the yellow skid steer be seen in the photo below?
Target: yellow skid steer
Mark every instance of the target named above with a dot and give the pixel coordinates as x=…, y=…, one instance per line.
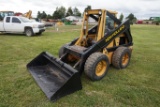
x=104, y=40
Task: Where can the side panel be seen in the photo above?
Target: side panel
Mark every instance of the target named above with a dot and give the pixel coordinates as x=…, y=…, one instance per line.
x=1, y=26
x=17, y=25
x=7, y=24
x=108, y=38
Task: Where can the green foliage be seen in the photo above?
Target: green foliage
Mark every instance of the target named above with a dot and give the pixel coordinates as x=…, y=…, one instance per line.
x=41, y=15
x=135, y=86
x=121, y=17
x=69, y=12
x=88, y=8
x=59, y=13
x=44, y=15
x=76, y=12
x=132, y=18
x=56, y=15
x=49, y=16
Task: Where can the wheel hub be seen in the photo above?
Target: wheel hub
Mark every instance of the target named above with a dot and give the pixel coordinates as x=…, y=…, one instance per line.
x=125, y=59
x=101, y=68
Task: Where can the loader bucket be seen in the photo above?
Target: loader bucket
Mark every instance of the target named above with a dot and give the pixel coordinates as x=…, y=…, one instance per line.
x=55, y=78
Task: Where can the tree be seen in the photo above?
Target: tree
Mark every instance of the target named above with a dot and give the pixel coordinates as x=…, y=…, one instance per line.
x=59, y=13
x=56, y=14
x=69, y=12
x=39, y=15
x=132, y=18
x=88, y=8
x=62, y=11
x=121, y=17
x=44, y=15
x=76, y=12
x=49, y=16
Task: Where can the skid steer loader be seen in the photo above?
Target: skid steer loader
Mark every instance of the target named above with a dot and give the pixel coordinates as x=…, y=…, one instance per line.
x=103, y=40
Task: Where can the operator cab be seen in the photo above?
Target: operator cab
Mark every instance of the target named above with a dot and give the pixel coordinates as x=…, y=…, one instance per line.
x=95, y=26
x=109, y=24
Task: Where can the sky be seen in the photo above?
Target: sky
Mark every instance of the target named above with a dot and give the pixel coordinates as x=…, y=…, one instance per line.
x=142, y=9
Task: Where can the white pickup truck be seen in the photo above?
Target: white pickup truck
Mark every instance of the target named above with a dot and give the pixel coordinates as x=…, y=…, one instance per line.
x=18, y=24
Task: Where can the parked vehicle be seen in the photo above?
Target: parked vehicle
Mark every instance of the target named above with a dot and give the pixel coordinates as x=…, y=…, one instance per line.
x=155, y=20
x=104, y=40
x=18, y=24
x=5, y=13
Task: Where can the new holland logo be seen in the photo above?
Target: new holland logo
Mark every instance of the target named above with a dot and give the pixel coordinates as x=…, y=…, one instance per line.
x=115, y=33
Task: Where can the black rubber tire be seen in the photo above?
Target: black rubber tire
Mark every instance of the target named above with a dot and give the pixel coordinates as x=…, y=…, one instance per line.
x=91, y=64
x=118, y=57
x=29, y=32
x=61, y=50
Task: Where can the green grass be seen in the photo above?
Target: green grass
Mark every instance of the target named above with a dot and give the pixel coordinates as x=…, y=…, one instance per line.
x=138, y=85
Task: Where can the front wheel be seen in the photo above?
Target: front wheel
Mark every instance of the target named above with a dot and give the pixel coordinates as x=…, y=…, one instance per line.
x=29, y=32
x=96, y=66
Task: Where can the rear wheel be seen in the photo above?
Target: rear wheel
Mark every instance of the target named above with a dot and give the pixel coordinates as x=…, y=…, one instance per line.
x=121, y=57
x=96, y=66
x=29, y=32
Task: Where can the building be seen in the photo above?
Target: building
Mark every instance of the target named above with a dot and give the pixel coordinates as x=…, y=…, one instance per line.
x=74, y=18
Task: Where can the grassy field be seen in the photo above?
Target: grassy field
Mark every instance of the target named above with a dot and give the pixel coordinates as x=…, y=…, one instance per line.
x=138, y=85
